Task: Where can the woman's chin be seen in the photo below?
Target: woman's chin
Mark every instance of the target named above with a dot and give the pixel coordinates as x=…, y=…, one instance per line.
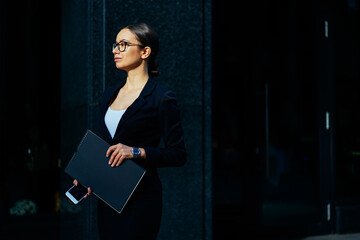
x=119, y=66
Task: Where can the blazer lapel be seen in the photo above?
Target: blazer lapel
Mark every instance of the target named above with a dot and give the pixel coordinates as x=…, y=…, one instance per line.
x=136, y=105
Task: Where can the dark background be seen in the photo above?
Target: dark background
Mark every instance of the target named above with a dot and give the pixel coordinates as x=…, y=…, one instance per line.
x=285, y=119
x=269, y=102
x=30, y=116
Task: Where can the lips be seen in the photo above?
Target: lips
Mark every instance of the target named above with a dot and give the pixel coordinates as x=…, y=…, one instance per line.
x=117, y=59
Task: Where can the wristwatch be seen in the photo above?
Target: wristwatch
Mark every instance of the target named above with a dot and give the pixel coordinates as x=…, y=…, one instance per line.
x=136, y=152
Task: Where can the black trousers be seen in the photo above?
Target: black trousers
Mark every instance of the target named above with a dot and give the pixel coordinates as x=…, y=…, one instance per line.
x=139, y=220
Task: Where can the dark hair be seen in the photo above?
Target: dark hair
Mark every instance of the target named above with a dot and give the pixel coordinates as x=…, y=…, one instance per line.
x=147, y=38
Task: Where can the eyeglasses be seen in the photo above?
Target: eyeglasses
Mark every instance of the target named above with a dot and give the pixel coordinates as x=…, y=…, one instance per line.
x=122, y=46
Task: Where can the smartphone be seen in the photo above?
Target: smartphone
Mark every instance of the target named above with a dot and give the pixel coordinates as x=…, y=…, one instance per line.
x=76, y=193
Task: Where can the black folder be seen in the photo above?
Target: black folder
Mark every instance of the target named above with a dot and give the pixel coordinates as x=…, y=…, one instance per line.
x=89, y=165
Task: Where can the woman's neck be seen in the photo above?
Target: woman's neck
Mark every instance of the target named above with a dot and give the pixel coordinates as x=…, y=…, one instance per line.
x=137, y=78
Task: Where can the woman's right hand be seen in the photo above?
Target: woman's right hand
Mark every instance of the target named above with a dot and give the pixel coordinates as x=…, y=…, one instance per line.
x=75, y=182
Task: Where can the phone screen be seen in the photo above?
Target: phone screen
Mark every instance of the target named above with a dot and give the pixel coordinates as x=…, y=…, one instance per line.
x=76, y=193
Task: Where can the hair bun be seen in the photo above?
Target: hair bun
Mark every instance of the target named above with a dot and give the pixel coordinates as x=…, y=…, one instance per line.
x=154, y=73
x=152, y=67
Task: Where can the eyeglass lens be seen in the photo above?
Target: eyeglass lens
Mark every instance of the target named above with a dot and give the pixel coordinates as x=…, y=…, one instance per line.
x=121, y=46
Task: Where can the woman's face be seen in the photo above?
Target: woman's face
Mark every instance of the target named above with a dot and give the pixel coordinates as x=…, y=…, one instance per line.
x=131, y=58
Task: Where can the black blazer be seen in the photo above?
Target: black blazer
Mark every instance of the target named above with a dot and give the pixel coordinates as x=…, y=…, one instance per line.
x=152, y=116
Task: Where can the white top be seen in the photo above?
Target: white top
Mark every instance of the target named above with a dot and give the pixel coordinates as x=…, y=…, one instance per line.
x=112, y=119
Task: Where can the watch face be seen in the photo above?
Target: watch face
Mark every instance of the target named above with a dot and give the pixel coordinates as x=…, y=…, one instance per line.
x=136, y=152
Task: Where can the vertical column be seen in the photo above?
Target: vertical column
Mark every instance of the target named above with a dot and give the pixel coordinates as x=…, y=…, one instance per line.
x=184, y=29
x=82, y=83
x=207, y=120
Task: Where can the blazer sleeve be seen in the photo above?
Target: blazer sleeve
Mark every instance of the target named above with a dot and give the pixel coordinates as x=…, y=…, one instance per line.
x=173, y=154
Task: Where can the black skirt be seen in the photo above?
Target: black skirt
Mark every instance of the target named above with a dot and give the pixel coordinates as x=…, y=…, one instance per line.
x=141, y=217
x=139, y=220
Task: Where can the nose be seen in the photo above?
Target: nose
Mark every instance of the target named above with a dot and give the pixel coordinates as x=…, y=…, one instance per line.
x=115, y=50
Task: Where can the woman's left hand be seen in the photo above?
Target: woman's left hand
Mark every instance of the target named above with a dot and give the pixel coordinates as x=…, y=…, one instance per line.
x=118, y=153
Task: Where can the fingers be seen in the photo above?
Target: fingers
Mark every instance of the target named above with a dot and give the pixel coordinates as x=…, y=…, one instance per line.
x=121, y=159
x=118, y=153
x=89, y=193
x=114, y=155
x=111, y=149
x=118, y=159
x=75, y=182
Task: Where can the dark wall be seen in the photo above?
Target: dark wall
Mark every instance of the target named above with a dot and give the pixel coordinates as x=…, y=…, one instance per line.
x=30, y=117
x=2, y=83
x=88, y=30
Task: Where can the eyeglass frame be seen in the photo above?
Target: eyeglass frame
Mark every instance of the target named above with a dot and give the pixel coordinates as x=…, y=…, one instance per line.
x=117, y=45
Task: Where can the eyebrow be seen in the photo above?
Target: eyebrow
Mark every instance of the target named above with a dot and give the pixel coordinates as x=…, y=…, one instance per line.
x=122, y=40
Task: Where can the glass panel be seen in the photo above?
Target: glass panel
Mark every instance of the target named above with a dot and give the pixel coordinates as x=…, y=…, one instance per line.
x=347, y=100
x=265, y=118
x=347, y=119
x=290, y=192
x=347, y=123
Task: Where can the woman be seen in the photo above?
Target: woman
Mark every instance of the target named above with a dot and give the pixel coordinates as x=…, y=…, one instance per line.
x=134, y=116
